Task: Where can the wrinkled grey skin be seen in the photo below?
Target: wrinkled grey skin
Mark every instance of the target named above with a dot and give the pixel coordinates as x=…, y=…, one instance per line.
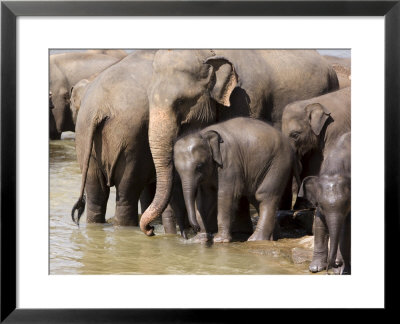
x=330, y=192
x=120, y=91
x=205, y=87
x=118, y=53
x=112, y=142
x=223, y=162
x=65, y=71
x=316, y=124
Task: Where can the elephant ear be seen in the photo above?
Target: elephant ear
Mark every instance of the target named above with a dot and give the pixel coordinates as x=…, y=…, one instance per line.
x=214, y=139
x=308, y=189
x=318, y=116
x=226, y=79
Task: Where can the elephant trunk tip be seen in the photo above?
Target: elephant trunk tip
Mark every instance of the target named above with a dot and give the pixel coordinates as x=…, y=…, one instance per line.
x=147, y=229
x=149, y=215
x=80, y=207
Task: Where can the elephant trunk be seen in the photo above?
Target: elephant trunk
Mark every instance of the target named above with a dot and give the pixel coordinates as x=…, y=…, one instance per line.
x=189, y=194
x=62, y=114
x=162, y=132
x=334, y=223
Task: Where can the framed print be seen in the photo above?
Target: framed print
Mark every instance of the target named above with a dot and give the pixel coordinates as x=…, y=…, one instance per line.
x=54, y=271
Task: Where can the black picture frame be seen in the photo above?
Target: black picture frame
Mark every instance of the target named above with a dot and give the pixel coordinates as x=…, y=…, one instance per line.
x=10, y=10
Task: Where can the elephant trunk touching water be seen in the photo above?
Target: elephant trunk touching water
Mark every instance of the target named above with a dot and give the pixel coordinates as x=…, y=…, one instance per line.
x=335, y=224
x=189, y=194
x=161, y=149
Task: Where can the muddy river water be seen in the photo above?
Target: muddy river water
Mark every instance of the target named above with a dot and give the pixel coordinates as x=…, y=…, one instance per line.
x=106, y=249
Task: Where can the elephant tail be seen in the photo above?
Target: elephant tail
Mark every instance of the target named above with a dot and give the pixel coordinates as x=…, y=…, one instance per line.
x=80, y=204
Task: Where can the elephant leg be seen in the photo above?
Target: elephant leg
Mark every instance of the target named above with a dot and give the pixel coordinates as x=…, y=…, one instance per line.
x=269, y=195
x=168, y=220
x=126, y=208
x=266, y=222
x=128, y=185
x=97, y=193
x=175, y=211
x=206, y=205
x=345, y=247
x=320, y=254
x=227, y=205
x=241, y=222
x=206, y=213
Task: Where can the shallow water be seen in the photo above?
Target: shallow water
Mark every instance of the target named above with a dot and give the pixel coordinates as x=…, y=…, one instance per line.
x=105, y=249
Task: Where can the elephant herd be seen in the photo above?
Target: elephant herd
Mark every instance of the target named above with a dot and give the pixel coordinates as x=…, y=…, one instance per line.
x=199, y=135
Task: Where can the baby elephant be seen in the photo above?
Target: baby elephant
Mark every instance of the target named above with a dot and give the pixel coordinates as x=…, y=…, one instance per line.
x=330, y=193
x=241, y=157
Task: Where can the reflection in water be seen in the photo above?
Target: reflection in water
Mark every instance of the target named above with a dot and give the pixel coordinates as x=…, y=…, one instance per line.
x=105, y=249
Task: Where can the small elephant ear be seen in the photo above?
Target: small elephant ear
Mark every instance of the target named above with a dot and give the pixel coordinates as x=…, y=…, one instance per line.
x=226, y=79
x=318, y=116
x=308, y=189
x=214, y=140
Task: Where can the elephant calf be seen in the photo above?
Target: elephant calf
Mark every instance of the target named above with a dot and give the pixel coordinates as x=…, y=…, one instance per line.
x=241, y=157
x=330, y=192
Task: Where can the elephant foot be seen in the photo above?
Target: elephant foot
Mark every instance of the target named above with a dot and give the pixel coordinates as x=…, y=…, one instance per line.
x=184, y=234
x=343, y=270
x=222, y=238
x=168, y=221
x=338, y=262
x=258, y=236
x=317, y=265
x=202, y=238
x=94, y=217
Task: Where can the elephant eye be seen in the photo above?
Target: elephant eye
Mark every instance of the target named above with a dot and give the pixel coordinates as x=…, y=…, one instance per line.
x=294, y=135
x=179, y=101
x=199, y=166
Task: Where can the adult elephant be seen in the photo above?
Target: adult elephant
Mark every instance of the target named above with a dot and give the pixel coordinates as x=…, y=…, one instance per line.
x=111, y=139
x=118, y=53
x=66, y=70
x=189, y=85
x=112, y=142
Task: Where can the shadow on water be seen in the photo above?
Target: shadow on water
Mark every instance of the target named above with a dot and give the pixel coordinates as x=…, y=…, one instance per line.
x=106, y=249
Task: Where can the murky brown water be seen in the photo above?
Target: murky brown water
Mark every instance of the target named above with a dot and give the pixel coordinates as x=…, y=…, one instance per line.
x=105, y=249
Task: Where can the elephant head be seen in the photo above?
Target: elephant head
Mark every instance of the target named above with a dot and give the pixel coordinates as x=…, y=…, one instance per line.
x=331, y=194
x=183, y=93
x=195, y=158
x=304, y=124
x=60, y=98
x=77, y=93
